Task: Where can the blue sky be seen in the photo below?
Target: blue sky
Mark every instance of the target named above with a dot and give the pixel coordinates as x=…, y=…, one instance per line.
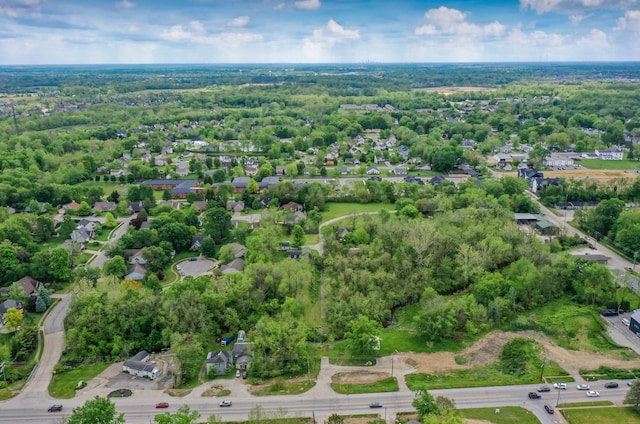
x=317, y=31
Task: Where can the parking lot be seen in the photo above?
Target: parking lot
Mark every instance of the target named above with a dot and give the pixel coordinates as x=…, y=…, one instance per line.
x=620, y=333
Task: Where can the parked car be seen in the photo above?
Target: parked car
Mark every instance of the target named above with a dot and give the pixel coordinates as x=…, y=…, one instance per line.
x=628, y=268
x=193, y=259
x=55, y=408
x=562, y=386
x=592, y=393
x=225, y=403
x=609, y=313
x=375, y=405
x=631, y=383
x=178, y=267
x=162, y=405
x=237, y=373
x=583, y=387
x=544, y=389
x=626, y=322
x=611, y=385
x=549, y=409
x=534, y=395
x=245, y=375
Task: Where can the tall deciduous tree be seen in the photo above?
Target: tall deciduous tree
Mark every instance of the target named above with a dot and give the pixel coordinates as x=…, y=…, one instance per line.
x=13, y=318
x=633, y=395
x=298, y=237
x=217, y=223
x=116, y=267
x=362, y=336
x=184, y=415
x=96, y=411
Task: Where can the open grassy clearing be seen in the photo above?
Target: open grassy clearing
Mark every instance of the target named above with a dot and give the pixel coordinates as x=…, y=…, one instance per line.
x=386, y=385
x=601, y=416
x=335, y=210
x=507, y=415
x=284, y=387
x=610, y=164
x=63, y=384
x=582, y=404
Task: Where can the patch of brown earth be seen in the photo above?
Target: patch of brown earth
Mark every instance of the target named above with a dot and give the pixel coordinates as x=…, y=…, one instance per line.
x=251, y=388
x=178, y=392
x=359, y=377
x=487, y=350
x=215, y=390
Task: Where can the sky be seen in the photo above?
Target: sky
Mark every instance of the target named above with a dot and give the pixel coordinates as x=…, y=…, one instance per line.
x=40, y=32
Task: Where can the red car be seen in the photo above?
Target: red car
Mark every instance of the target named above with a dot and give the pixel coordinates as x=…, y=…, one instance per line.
x=162, y=405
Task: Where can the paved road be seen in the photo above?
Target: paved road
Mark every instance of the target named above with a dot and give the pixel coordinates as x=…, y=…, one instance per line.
x=139, y=408
x=101, y=258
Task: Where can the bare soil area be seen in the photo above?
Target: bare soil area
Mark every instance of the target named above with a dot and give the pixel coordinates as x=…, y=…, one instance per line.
x=214, y=390
x=593, y=174
x=487, y=350
x=359, y=377
x=450, y=90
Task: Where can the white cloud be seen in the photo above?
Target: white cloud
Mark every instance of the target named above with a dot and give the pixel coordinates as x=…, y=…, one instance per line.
x=125, y=4
x=14, y=8
x=576, y=19
x=196, y=33
x=630, y=22
x=446, y=21
x=239, y=22
x=567, y=6
x=280, y=6
x=307, y=4
x=319, y=45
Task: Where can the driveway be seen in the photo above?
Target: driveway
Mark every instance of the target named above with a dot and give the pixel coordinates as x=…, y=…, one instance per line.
x=196, y=268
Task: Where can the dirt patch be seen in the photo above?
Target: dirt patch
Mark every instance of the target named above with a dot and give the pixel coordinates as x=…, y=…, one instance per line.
x=252, y=388
x=450, y=90
x=357, y=420
x=216, y=390
x=178, y=392
x=475, y=421
x=592, y=174
x=487, y=350
x=359, y=377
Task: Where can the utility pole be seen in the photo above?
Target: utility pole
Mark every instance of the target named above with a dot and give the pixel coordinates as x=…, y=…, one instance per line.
x=15, y=121
x=308, y=369
x=544, y=360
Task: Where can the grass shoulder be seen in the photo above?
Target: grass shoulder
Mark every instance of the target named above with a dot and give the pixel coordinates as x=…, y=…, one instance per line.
x=386, y=385
x=583, y=404
x=606, y=415
x=506, y=415
x=64, y=382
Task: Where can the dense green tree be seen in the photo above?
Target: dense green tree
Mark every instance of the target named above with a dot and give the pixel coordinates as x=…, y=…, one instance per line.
x=217, y=223
x=363, y=336
x=156, y=258
x=60, y=265
x=633, y=396
x=184, y=415
x=115, y=266
x=13, y=319
x=297, y=237
x=425, y=404
x=96, y=411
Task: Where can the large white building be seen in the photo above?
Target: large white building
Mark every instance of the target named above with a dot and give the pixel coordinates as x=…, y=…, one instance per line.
x=612, y=153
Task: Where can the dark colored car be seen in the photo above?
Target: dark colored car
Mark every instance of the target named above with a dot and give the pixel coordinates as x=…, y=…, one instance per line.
x=245, y=375
x=611, y=385
x=193, y=259
x=609, y=313
x=55, y=408
x=549, y=409
x=544, y=389
x=375, y=179
x=375, y=405
x=162, y=405
x=534, y=395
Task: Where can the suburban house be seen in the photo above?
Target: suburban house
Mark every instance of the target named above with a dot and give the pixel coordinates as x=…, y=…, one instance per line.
x=8, y=304
x=241, y=352
x=238, y=249
x=372, y=170
x=555, y=161
x=201, y=205
x=179, y=189
x=74, y=206
x=140, y=366
x=612, y=153
x=400, y=170
x=30, y=285
x=136, y=272
x=601, y=259
x=294, y=254
x=196, y=242
x=104, y=206
x=236, y=265
x=220, y=360
x=293, y=207
x=234, y=206
x=182, y=168
x=135, y=256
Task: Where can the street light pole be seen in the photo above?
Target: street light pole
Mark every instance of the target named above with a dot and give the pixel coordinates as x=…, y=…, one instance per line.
x=558, y=400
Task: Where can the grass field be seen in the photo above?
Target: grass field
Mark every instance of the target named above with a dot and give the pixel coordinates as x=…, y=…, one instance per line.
x=602, y=416
x=386, y=385
x=610, y=164
x=582, y=404
x=285, y=388
x=335, y=210
x=507, y=415
x=489, y=375
x=63, y=384
x=572, y=326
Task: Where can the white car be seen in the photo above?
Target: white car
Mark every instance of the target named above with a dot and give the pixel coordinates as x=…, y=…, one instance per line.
x=583, y=387
x=592, y=393
x=560, y=386
x=178, y=267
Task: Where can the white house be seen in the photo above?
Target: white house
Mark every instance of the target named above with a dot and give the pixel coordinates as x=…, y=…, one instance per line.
x=556, y=160
x=140, y=366
x=612, y=153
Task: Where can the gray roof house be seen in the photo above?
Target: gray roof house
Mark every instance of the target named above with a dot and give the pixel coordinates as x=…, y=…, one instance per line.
x=220, y=360
x=140, y=366
x=136, y=272
x=235, y=265
x=8, y=304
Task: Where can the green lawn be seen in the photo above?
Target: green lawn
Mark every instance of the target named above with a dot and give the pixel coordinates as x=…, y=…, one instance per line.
x=582, y=404
x=310, y=239
x=507, y=415
x=107, y=187
x=489, y=375
x=63, y=384
x=386, y=385
x=285, y=388
x=82, y=258
x=572, y=326
x=610, y=164
x=602, y=416
x=335, y=210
